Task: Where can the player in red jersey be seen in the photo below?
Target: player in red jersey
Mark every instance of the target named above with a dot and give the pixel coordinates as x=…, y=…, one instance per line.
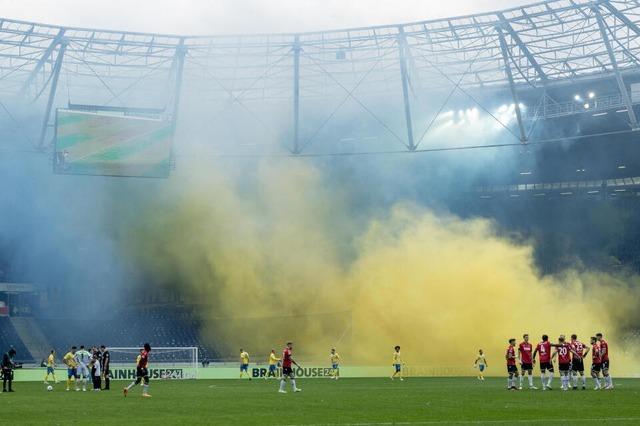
x=544, y=351
x=596, y=362
x=525, y=350
x=512, y=370
x=142, y=372
x=604, y=353
x=563, y=352
x=577, y=361
x=287, y=370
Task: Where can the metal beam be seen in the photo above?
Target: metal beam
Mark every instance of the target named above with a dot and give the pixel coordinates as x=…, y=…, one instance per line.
x=621, y=16
x=43, y=59
x=296, y=95
x=523, y=47
x=402, y=47
x=52, y=92
x=514, y=93
x=614, y=63
x=181, y=51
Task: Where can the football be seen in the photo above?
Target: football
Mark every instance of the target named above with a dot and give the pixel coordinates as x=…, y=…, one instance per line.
x=49, y=388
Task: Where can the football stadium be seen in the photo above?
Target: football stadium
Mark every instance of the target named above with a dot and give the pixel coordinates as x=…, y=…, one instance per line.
x=426, y=221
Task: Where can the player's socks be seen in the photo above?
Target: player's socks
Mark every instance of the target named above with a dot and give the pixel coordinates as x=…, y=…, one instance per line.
x=530, y=377
x=145, y=390
x=520, y=381
x=597, y=381
x=550, y=379
x=584, y=381
x=542, y=377
x=293, y=384
x=282, y=385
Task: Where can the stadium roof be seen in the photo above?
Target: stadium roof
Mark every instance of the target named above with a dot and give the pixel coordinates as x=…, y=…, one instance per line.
x=535, y=46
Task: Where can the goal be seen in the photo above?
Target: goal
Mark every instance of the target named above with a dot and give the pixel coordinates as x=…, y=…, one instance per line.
x=164, y=363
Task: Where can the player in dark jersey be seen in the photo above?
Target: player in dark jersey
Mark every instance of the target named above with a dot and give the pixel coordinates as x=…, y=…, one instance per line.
x=546, y=366
x=604, y=353
x=563, y=352
x=577, y=361
x=512, y=369
x=142, y=372
x=525, y=350
x=596, y=362
x=287, y=368
x=106, y=360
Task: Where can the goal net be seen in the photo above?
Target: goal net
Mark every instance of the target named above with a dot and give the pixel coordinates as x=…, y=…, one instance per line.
x=164, y=363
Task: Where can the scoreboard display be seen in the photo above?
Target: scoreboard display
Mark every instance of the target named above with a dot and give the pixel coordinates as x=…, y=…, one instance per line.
x=97, y=143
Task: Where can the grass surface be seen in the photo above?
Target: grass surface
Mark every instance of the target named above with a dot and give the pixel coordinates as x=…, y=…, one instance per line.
x=347, y=401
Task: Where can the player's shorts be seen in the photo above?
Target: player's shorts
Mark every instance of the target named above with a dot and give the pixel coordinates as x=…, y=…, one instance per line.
x=142, y=372
x=481, y=367
x=526, y=366
x=50, y=370
x=83, y=371
x=244, y=367
x=596, y=367
x=287, y=371
x=564, y=366
x=272, y=368
x=605, y=365
x=398, y=367
x=72, y=372
x=546, y=366
x=577, y=365
x=512, y=369
x=334, y=366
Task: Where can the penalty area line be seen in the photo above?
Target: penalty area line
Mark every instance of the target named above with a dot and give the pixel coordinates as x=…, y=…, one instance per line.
x=473, y=422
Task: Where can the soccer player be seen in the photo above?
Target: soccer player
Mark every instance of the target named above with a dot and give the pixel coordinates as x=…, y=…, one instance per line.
x=83, y=357
x=577, y=361
x=604, y=351
x=480, y=363
x=596, y=362
x=142, y=372
x=287, y=370
x=563, y=352
x=51, y=365
x=72, y=367
x=525, y=350
x=544, y=349
x=244, y=363
x=106, y=360
x=397, y=363
x=512, y=370
x=273, y=363
x=335, y=364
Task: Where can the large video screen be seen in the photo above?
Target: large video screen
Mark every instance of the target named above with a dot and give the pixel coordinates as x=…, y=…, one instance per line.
x=111, y=145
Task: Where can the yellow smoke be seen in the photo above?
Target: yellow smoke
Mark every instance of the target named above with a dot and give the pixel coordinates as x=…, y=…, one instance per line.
x=284, y=259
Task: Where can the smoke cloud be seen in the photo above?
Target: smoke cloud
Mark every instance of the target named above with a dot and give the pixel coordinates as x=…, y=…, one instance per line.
x=282, y=255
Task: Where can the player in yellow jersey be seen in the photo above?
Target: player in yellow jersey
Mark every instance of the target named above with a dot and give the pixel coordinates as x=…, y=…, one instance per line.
x=72, y=367
x=273, y=363
x=244, y=363
x=51, y=365
x=480, y=364
x=335, y=364
x=397, y=364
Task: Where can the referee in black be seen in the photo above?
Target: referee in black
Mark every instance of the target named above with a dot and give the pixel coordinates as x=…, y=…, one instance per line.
x=106, y=360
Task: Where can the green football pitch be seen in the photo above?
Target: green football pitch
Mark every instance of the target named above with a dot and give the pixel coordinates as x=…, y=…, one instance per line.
x=416, y=401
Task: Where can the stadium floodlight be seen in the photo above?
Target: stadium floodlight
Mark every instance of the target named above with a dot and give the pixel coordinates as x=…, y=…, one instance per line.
x=592, y=95
x=587, y=106
x=578, y=98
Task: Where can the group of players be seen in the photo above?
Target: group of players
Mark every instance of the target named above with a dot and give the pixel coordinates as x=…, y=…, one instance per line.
x=94, y=364
x=570, y=354
x=82, y=365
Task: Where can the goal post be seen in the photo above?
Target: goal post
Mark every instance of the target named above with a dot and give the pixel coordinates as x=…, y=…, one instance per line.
x=165, y=363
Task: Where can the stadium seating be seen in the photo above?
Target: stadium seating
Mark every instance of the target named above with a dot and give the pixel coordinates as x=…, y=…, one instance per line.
x=162, y=327
x=9, y=338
